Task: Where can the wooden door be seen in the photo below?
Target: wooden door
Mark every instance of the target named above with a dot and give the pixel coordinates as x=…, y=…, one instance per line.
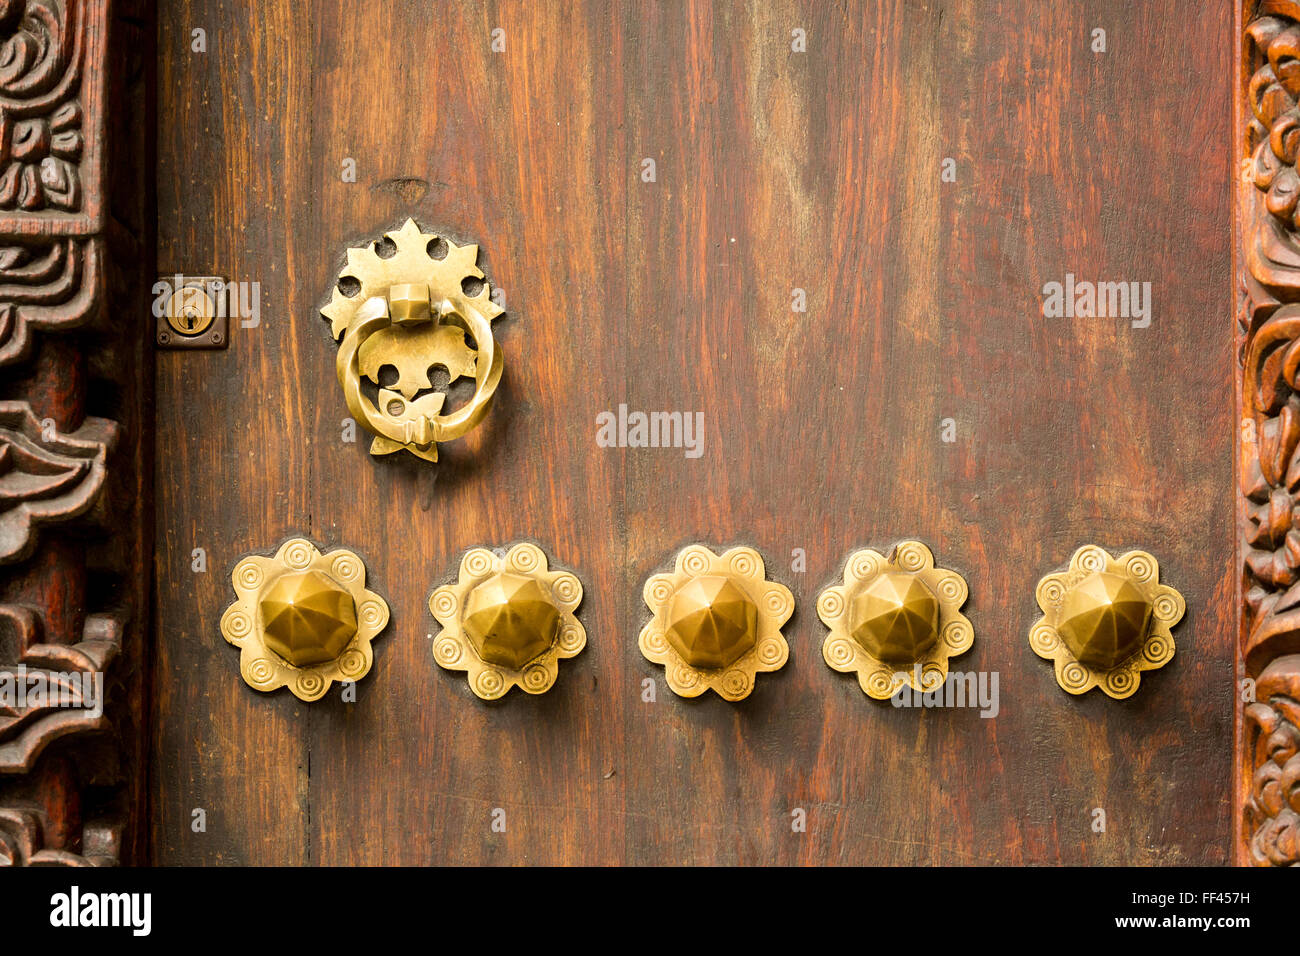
x=796, y=153
x=834, y=231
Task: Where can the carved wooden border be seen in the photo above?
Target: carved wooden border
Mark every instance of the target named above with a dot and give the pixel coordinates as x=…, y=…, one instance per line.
x=75, y=469
x=1267, y=225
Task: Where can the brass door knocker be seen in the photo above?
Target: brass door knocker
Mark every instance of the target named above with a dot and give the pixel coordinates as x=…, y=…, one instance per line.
x=423, y=305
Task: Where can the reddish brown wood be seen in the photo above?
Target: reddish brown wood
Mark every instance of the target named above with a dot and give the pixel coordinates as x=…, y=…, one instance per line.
x=75, y=524
x=1268, y=329
x=775, y=170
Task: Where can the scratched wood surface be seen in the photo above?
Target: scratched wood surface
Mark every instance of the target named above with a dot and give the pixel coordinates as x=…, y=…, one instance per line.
x=775, y=170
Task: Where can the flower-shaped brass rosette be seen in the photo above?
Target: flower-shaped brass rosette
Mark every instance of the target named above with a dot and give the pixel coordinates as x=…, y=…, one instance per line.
x=717, y=622
x=895, y=621
x=507, y=621
x=303, y=619
x=1105, y=620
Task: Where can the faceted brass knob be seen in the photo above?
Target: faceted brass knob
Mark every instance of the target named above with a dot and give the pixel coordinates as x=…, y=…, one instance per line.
x=408, y=303
x=717, y=622
x=711, y=622
x=303, y=619
x=1106, y=620
x=895, y=621
x=508, y=620
x=896, y=617
x=308, y=618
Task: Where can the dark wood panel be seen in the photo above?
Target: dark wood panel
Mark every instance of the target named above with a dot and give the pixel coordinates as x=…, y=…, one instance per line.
x=76, y=384
x=775, y=170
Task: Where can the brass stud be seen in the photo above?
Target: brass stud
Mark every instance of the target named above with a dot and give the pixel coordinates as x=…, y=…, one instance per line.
x=717, y=622
x=507, y=621
x=1105, y=620
x=308, y=618
x=895, y=617
x=303, y=619
x=895, y=621
x=711, y=623
x=510, y=620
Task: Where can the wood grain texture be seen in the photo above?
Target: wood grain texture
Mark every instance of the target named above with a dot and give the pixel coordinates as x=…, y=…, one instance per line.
x=775, y=170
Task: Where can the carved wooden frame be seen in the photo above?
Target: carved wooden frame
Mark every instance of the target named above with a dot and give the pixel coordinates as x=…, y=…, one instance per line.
x=76, y=536
x=1267, y=266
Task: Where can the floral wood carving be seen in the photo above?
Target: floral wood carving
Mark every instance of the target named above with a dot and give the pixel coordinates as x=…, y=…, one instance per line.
x=51, y=137
x=46, y=476
x=70, y=754
x=1273, y=742
x=1268, y=321
x=22, y=843
x=51, y=286
x=38, y=825
x=68, y=675
x=42, y=52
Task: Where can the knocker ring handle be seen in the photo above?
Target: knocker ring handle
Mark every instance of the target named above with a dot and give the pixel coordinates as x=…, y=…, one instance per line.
x=409, y=425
